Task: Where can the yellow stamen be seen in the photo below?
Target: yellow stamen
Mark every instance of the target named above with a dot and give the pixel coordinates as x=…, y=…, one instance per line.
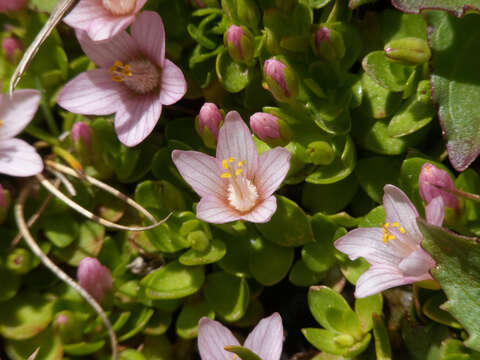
x=238, y=172
x=387, y=236
x=226, y=175
x=1, y=122
x=118, y=70
x=231, y=159
x=225, y=164
x=402, y=230
x=240, y=163
x=117, y=78
x=396, y=224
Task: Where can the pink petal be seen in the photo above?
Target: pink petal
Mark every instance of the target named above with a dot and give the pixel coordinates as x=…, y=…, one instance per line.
x=121, y=47
x=212, y=338
x=368, y=243
x=149, y=33
x=235, y=140
x=18, y=158
x=137, y=118
x=202, y=172
x=17, y=111
x=263, y=212
x=213, y=210
x=417, y=264
x=92, y=93
x=377, y=279
x=272, y=168
x=106, y=27
x=173, y=86
x=84, y=13
x=266, y=339
x=435, y=211
x=140, y=4
x=398, y=207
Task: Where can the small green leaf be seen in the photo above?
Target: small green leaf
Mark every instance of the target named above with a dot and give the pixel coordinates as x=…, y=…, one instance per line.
x=383, y=349
x=234, y=76
x=131, y=354
x=432, y=309
x=391, y=76
x=334, y=343
x=83, y=348
x=61, y=230
x=48, y=341
x=242, y=352
x=158, y=323
x=302, y=275
x=136, y=322
x=187, y=321
x=366, y=307
x=214, y=253
x=412, y=116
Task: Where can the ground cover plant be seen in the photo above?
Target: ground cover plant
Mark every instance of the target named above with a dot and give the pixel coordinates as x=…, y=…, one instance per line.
x=239, y=179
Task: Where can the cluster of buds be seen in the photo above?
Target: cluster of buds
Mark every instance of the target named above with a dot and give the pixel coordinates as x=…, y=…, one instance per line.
x=208, y=123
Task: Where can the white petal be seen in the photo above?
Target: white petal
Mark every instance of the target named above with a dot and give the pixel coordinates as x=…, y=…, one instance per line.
x=149, y=33
x=212, y=338
x=263, y=212
x=18, y=158
x=213, y=210
x=17, y=111
x=173, y=86
x=417, y=264
x=377, y=279
x=435, y=211
x=272, y=168
x=266, y=339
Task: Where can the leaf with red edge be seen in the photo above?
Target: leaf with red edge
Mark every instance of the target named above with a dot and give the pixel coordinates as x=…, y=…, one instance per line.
x=458, y=7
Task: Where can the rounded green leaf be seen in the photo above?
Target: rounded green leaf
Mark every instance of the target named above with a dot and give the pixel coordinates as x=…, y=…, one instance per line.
x=302, y=275
x=157, y=348
x=83, y=348
x=187, y=321
x=159, y=194
x=233, y=76
x=366, y=307
x=215, y=252
x=158, y=323
x=61, y=230
x=391, y=76
x=131, y=354
x=49, y=343
x=136, y=322
x=173, y=281
x=334, y=343
x=411, y=117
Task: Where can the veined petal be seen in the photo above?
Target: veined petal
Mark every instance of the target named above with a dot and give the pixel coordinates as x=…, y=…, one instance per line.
x=136, y=118
x=149, y=33
x=235, y=140
x=266, y=338
x=368, y=243
x=106, y=27
x=399, y=208
x=379, y=278
x=18, y=158
x=272, y=168
x=121, y=47
x=212, y=338
x=81, y=16
x=173, y=86
x=417, y=264
x=435, y=211
x=213, y=210
x=263, y=212
x=201, y=171
x=92, y=93
x=17, y=111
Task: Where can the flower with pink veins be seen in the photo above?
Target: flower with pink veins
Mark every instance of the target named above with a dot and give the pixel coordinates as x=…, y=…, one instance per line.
x=103, y=19
x=133, y=80
x=17, y=157
x=394, y=250
x=237, y=184
x=265, y=340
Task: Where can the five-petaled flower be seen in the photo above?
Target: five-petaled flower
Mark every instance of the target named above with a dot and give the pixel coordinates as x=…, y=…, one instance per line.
x=134, y=79
x=18, y=158
x=237, y=184
x=103, y=19
x=394, y=250
x=265, y=340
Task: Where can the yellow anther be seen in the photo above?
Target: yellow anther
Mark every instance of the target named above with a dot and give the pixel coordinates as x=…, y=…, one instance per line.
x=117, y=63
x=240, y=163
x=1, y=122
x=238, y=172
x=226, y=175
x=225, y=164
x=396, y=224
x=230, y=159
x=402, y=230
x=117, y=78
x=386, y=225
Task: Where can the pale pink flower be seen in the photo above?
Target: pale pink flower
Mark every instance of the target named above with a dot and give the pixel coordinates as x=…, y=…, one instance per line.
x=265, y=340
x=394, y=250
x=103, y=19
x=17, y=157
x=133, y=80
x=237, y=184
x=12, y=5
x=94, y=277
x=430, y=176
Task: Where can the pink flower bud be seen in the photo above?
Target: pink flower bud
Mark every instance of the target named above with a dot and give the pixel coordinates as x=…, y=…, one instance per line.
x=198, y=3
x=94, y=277
x=281, y=80
x=431, y=182
x=328, y=44
x=240, y=44
x=3, y=197
x=208, y=124
x=265, y=126
x=10, y=46
x=81, y=130
x=12, y=5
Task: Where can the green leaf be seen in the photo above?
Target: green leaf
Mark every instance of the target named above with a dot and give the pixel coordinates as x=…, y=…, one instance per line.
x=391, y=76
x=48, y=341
x=234, y=76
x=457, y=99
x=214, y=253
x=131, y=354
x=432, y=309
x=458, y=272
x=289, y=225
x=366, y=307
x=334, y=343
x=301, y=275
x=187, y=321
x=83, y=348
x=158, y=323
x=61, y=230
x=157, y=348
x=412, y=116
x=383, y=349
x=173, y=281
x=242, y=352
x=457, y=7
x=159, y=194
x=353, y=4
x=136, y=322
x=228, y=295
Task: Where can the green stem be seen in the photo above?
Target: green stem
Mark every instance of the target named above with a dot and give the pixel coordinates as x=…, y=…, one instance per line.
x=52, y=125
x=41, y=135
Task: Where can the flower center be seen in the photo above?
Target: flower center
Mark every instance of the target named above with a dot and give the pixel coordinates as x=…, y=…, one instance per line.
x=242, y=193
x=387, y=234
x=120, y=7
x=141, y=75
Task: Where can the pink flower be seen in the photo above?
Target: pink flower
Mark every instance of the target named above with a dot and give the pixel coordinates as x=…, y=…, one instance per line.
x=103, y=19
x=11, y=45
x=18, y=158
x=81, y=130
x=133, y=80
x=265, y=340
x=12, y=5
x=237, y=184
x=94, y=277
x=430, y=176
x=394, y=250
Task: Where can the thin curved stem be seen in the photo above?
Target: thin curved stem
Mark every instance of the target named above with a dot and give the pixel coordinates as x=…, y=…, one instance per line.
x=22, y=226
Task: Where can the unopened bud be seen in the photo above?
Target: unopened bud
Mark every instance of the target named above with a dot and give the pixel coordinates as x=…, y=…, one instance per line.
x=66, y=325
x=328, y=44
x=320, y=153
x=208, y=123
x=281, y=80
x=247, y=12
x=270, y=129
x=434, y=182
x=12, y=5
x=11, y=47
x=81, y=131
x=120, y=7
x=94, y=278
x=240, y=44
x=4, y=203
x=19, y=261
x=408, y=51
